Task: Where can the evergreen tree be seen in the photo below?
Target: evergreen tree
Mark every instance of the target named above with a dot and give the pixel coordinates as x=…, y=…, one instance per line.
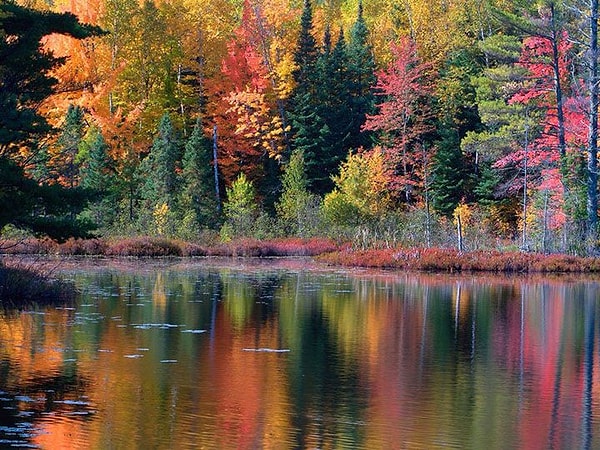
x=361, y=79
x=295, y=201
x=306, y=53
x=309, y=131
x=240, y=209
x=449, y=175
x=335, y=105
x=453, y=172
x=25, y=68
x=158, y=170
x=198, y=202
x=98, y=177
x=68, y=146
x=24, y=83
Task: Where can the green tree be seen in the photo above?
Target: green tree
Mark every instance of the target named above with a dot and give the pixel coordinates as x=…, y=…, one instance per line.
x=335, y=105
x=295, y=204
x=361, y=80
x=160, y=185
x=449, y=174
x=198, y=202
x=453, y=171
x=25, y=81
x=309, y=130
x=240, y=209
x=68, y=146
x=25, y=70
x=97, y=175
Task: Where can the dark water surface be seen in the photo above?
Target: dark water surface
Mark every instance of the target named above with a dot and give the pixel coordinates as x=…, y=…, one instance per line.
x=205, y=354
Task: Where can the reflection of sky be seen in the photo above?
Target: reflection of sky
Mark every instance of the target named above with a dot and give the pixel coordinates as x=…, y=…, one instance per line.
x=179, y=356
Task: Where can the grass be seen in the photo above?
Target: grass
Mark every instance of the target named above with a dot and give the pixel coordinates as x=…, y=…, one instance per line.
x=325, y=250
x=450, y=260
x=145, y=246
x=25, y=286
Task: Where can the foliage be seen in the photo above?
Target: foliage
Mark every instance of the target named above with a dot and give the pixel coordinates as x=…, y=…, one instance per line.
x=197, y=200
x=240, y=209
x=486, y=103
x=296, y=205
x=402, y=116
x=361, y=190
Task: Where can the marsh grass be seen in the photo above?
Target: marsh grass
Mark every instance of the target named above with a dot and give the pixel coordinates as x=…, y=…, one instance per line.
x=26, y=285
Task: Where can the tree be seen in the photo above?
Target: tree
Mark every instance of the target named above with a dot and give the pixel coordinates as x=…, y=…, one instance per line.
x=361, y=190
x=593, y=83
x=403, y=116
x=453, y=173
x=25, y=81
x=67, y=146
x=97, y=175
x=361, y=80
x=309, y=130
x=240, y=209
x=197, y=201
x=25, y=71
x=158, y=170
x=293, y=207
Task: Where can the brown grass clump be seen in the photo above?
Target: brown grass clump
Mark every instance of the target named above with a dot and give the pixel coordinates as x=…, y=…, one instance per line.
x=144, y=246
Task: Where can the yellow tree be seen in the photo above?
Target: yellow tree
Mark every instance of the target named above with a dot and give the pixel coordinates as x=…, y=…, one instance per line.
x=361, y=189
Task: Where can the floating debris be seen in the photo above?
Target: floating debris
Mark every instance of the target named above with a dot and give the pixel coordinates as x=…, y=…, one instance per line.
x=168, y=361
x=193, y=331
x=267, y=350
x=134, y=356
x=147, y=326
x=73, y=402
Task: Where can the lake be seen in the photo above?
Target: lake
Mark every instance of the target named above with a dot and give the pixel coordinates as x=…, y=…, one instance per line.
x=288, y=354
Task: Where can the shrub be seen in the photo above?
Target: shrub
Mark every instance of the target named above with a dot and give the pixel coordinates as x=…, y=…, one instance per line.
x=144, y=246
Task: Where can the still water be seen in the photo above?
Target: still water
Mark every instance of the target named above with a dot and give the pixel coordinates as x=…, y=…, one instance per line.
x=283, y=354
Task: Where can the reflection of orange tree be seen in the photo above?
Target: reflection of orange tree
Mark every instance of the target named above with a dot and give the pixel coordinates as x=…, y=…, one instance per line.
x=250, y=392
x=35, y=347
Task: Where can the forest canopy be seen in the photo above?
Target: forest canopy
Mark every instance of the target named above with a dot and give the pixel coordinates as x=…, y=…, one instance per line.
x=392, y=121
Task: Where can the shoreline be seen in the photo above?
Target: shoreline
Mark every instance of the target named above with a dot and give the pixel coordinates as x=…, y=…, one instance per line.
x=321, y=250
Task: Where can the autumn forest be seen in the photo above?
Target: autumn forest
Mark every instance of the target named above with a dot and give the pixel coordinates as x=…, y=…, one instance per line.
x=381, y=121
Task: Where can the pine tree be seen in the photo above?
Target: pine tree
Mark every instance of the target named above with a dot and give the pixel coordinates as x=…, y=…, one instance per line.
x=335, y=105
x=68, y=145
x=361, y=79
x=240, y=209
x=295, y=201
x=448, y=174
x=309, y=131
x=158, y=169
x=198, y=203
x=98, y=177
x=306, y=53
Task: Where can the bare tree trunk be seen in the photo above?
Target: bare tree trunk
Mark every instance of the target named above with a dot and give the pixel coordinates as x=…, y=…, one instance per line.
x=560, y=115
x=545, y=224
x=216, y=169
x=459, y=232
x=526, y=147
x=592, y=166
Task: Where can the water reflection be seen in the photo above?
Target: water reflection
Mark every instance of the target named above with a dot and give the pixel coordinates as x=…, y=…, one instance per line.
x=188, y=355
